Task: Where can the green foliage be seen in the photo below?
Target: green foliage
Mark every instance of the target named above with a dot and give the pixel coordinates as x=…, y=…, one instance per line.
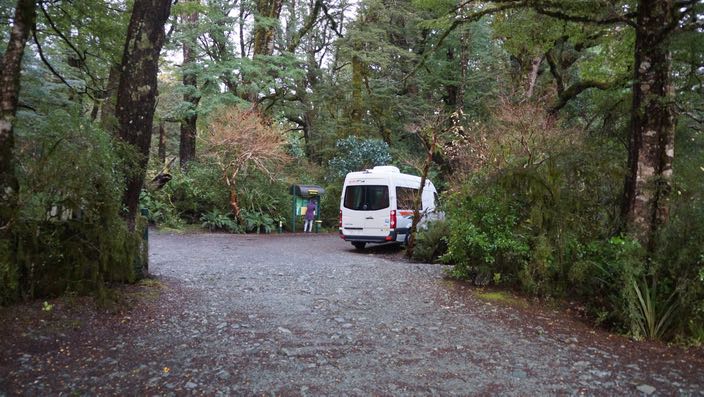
x=431, y=242
x=160, y=211
x=70, y=236
x=187, y=196
x=330, y=205
x=482, y=235
x=217, y=220
x=357, y=154
x=255, y=221
x=200, y=196
x=655, y=318
x=678, y=263
x=602, y=274
x=545, y=224
x=260, y=194
x=46, y=307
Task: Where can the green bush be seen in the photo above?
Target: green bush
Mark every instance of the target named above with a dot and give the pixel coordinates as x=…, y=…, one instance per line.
x=70, y=235
x=431, y=242
x=195, y=192
x=483, y=235
x=679, y=265
x=330, y=205
x=602, y=276
x=357, y=154
x=160, y=210
x=255, y=221
x=547, y=229
x=217, y=220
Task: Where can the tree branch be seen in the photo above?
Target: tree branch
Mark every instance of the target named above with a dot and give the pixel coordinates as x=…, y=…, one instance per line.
x=312, y=19
x=81, y=55
x=333, y=23
x=576, y=89
x=557, y=14
x=509, y=4
x=51, y=68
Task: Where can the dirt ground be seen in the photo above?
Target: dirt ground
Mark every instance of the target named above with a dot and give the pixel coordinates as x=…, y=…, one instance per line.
x=309, y=315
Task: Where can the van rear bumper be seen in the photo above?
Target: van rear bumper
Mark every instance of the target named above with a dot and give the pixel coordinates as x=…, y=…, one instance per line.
x=369, y=239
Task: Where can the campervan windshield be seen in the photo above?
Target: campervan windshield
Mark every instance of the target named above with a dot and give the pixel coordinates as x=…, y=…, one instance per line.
x=366, y=197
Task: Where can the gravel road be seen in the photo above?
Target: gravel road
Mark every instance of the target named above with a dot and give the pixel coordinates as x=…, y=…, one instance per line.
x=309, y=315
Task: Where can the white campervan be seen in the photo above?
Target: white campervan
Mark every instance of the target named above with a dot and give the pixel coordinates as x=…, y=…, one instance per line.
x=377, y=205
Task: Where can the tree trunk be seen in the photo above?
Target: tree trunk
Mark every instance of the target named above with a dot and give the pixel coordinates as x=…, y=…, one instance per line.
x=533, y=77
x=108, y=122
x=136, y=95
x=234, y=202
x=264, y=32
x=451, y=89
x=357, y=105
x=25, y=16
x=430, y=145
x=652, y=134
x=464, y=66
x=187, y=147
x=162, y=142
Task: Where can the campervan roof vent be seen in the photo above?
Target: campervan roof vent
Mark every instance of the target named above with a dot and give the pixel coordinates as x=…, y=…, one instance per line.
x=386, y=168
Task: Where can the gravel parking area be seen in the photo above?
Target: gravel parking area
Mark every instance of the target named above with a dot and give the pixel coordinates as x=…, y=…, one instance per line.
x=310, y=315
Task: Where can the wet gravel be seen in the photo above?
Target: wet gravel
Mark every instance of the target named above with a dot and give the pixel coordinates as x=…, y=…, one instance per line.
x=310, y=315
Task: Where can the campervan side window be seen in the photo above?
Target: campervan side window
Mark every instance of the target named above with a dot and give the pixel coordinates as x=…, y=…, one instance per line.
x=405, y=196
x=366, y=197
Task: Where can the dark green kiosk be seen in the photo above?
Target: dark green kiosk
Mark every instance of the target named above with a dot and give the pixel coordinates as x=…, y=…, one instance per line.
x=302, y=194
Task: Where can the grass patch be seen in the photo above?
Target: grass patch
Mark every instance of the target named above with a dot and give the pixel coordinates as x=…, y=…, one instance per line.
x=501, y=297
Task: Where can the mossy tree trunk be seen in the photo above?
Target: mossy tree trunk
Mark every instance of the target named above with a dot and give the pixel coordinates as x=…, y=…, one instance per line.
x=107, y=109
x=268, y=12
x=357, y=110
x=187, y=147
x=25, y=16
x=652, y=134
x=162, y=142
x=136, y=94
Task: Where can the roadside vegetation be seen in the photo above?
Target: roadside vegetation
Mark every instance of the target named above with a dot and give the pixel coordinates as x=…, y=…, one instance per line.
x=565, y=138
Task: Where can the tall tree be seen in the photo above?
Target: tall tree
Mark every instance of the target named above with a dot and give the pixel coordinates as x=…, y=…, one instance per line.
x=136, y=95
x=187, y=147
x=23, y=23
x=652, y=137
x=266, y=22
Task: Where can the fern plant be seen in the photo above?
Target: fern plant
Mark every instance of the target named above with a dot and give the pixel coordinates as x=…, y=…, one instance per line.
x=217, y=220
x=257, y=221
x=431, y=243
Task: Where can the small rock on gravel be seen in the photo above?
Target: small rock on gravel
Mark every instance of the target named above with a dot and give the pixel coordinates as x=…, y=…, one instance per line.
x=646, y=389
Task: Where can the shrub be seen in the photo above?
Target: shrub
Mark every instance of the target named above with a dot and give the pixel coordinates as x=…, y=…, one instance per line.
x=217, y=220
x=195, y=192
x=483, y=236
x=357, y=154
x=431, y=242
x=330, y=205
x=160, y=210
x=69, y=235
x=255, y=221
